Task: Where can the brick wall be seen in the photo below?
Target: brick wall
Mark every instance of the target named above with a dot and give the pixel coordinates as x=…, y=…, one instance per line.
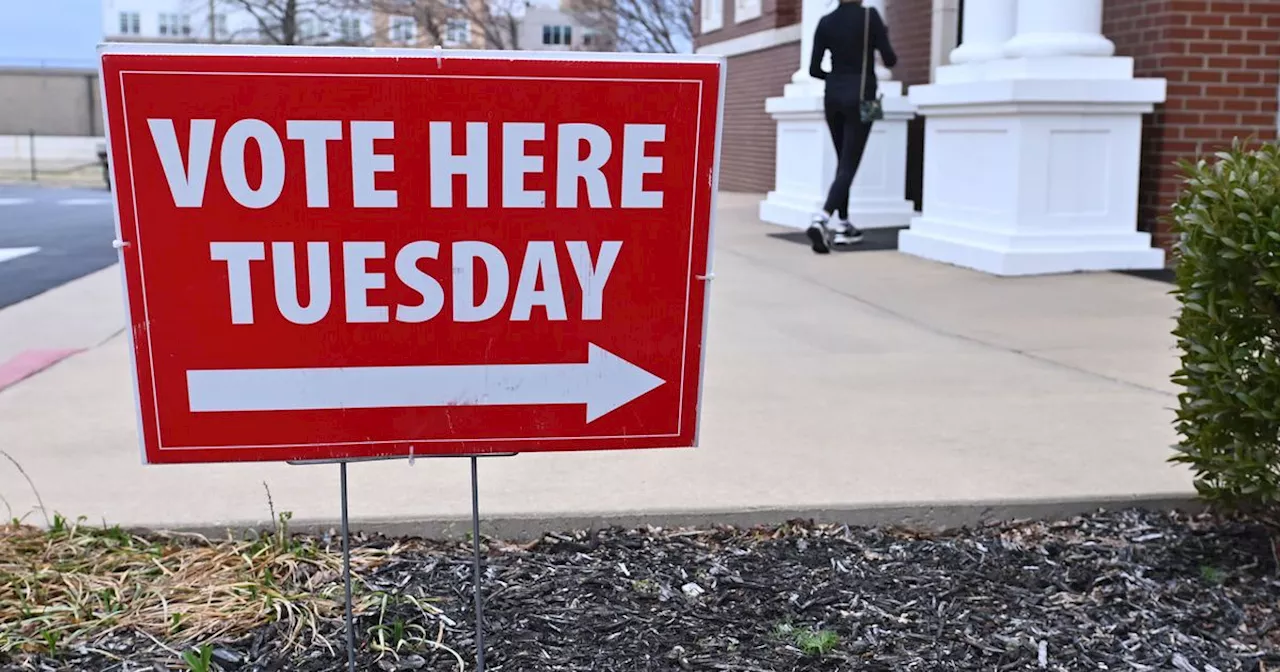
x=773, y=14
x=1222, y=60
x=750, y=134
x=910, y=30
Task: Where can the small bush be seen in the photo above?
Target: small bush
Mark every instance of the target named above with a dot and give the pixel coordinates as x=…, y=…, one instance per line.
x=1228, y=277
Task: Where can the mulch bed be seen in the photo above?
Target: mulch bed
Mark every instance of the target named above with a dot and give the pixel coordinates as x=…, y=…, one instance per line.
x=1113, y=591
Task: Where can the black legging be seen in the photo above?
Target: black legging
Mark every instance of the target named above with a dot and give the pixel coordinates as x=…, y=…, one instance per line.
x=850, y=137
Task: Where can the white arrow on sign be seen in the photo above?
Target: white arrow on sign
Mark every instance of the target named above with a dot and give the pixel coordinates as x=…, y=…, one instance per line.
x=604, y=383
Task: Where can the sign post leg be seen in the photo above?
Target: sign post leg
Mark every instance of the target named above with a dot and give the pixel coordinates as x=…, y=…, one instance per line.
x=346, y=570
x=475, y=547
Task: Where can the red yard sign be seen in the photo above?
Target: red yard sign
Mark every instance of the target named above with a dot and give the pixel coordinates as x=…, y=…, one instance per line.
x=337, y=254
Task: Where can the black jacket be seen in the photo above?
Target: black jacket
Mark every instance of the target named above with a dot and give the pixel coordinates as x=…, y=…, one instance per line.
x=841, y=32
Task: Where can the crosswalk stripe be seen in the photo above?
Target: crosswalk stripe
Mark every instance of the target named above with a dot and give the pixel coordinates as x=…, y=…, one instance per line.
x=14, y=201
x=8, y=253
x=84, y=201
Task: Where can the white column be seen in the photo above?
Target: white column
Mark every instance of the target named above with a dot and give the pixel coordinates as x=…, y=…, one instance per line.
x=810, y=12
x=988, y=25
x=1058, y=28
x=1033, y=155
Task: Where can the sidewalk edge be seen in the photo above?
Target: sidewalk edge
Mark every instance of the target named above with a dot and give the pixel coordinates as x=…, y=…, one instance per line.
x=937, y=516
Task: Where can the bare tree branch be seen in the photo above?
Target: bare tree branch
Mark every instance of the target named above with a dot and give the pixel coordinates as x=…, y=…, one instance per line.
x=639, y=25
x=282, y=21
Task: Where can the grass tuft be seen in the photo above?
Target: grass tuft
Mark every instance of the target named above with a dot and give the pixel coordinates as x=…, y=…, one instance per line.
x=71, y=584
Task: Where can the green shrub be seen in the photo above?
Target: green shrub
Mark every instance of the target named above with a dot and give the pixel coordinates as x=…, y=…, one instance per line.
x=1228, y=276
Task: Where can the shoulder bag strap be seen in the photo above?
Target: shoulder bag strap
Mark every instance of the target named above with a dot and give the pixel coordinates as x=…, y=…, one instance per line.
x=866, y=49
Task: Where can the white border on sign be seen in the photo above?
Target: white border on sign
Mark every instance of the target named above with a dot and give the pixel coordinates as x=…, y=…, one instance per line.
x=711, y=251
x=120, y=252
x=328, y=51
x=171, y=49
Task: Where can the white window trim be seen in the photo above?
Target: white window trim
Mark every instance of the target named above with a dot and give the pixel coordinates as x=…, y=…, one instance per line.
x=712, y=21
x=755, y=10
x=765, y=39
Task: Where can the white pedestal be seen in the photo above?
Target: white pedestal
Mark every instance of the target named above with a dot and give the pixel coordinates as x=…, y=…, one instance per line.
x=806, y=163
x=1034, y=175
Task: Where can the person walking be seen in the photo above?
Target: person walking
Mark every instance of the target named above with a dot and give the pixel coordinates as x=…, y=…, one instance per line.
x=852, y=104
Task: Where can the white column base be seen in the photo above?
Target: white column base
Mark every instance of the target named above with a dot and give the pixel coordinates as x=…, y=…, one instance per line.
x=1028, y=255
x=1033, y=176
x=806, y=164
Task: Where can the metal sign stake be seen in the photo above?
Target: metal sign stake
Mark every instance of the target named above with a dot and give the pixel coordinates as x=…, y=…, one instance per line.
x=346, y=570
x=475, y=547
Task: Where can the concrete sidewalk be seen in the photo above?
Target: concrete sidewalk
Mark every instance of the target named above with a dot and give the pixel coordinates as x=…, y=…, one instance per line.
x=860, y=387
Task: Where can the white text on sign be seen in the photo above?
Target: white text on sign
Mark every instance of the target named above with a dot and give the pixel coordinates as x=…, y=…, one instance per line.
x=575, y=167
x=582, y=150
x=538, y=283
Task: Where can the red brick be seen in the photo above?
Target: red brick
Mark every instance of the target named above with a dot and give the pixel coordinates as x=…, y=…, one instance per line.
x=1241, y=105
x=1206, y=104
x=1222, y=7
x=1182, y=90
x=1206, y=47
x=1246, y=20
x=1225, y=62
x=1220, y=119
x=1226, y=34
x=1244, y=49
x=1206, y=76
x=1202, y=132
x=1223, y=91
x=1244, y=77
x=1257, y=120
x=1182, y=61
x=1184, y=33
x=1264, y=35
x=1209, y=20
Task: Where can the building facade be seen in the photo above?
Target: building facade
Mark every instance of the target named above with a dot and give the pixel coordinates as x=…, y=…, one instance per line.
x=483, y=24
x=316, y=22
x=1221, y=62
x=760, y=40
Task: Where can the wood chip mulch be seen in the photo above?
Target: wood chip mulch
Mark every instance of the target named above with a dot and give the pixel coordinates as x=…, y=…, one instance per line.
x=1130, y=590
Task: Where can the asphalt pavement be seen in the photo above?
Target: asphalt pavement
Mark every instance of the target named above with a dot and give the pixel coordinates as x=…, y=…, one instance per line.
x=50, y=236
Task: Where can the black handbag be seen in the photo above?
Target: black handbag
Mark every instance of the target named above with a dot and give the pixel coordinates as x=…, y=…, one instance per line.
x=868, y=110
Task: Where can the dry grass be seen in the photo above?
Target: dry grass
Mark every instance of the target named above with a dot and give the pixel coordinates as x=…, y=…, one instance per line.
x=73, y=585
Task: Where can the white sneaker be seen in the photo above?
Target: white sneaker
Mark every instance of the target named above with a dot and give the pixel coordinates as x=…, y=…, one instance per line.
x=820, y=235
x=844, y=233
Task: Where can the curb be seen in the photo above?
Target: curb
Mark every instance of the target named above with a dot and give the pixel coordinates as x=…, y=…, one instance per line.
x=935, y=516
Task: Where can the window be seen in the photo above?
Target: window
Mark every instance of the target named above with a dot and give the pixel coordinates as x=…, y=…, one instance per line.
x=403, y=29
x=457, y=31
x=712, y=15
x=557, y=35
x=350, y=28
x=175, y=25
x=746, y=10
x=455, y=4
x=130, y=23
x=590, y=38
